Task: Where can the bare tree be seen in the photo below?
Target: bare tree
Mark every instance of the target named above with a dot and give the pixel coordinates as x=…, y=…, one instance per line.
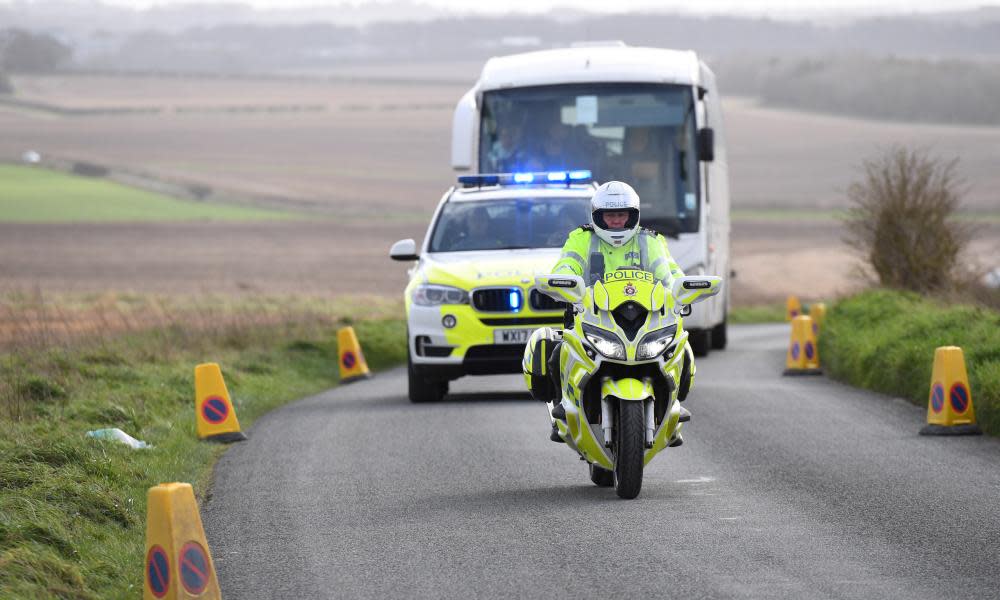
x=900, y=220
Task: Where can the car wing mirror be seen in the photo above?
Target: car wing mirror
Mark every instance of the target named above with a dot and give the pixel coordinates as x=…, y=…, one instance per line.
x=563, y=288
x=404, y=250
x=693, y=289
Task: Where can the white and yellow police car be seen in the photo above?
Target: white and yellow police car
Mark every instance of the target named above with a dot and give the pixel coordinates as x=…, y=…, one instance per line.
x=471, y=302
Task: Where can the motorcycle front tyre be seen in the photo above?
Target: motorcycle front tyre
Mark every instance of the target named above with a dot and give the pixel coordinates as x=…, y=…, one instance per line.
x=630, y=449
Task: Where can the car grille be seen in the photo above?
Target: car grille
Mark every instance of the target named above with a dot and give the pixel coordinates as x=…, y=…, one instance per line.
x=497, y=299
x=541, y=302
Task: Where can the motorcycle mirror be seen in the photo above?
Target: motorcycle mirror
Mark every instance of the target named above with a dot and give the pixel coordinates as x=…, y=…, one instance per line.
x=693, y=289
x=562, y=288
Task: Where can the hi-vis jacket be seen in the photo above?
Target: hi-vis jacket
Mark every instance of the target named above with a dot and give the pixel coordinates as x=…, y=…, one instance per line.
x=647, y=250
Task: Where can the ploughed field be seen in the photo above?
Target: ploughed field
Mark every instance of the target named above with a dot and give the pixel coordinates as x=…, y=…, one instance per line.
x=368, y=159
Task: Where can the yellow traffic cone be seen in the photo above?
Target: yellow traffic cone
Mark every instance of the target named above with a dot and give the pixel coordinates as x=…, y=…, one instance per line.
x=793, y=308
x=803, y=353
x=352, y=361
x=949, y=408
x=214, y=412
x=178, y=563
x=817, y=310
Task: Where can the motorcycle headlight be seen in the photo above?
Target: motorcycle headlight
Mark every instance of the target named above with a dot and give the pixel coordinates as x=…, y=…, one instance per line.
x=654, y=343
x=433, y=295
x=604, y=342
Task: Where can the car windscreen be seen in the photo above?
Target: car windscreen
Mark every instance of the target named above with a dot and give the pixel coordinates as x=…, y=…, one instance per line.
x=642, y=134
x=507, y=223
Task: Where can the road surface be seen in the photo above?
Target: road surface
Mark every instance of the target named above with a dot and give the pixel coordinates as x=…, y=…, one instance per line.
x=784, y=488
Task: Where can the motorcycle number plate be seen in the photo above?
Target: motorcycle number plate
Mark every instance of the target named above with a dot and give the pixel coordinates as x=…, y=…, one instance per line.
x=511, y=336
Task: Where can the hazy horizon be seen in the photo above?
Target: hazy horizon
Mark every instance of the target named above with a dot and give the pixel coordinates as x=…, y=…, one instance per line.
x=752, y=8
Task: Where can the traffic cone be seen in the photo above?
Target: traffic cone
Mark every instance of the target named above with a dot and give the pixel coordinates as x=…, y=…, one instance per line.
x=213, y=409
x=793, y=308
x=178, y=563
x=352, y=361
x=817, y=310
x=949, y=408
x=803, y=353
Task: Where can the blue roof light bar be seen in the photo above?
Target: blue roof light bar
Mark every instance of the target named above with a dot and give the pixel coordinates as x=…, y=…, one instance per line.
x=576, y=176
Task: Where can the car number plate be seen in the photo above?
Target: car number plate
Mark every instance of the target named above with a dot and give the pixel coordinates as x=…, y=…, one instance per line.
x=511, y=336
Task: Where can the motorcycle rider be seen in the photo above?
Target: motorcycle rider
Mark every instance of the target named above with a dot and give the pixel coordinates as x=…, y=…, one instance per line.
x=614, y=233
x=612, y=240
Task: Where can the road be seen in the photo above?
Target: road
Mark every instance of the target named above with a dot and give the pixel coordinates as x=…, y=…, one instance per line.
x=784, y=488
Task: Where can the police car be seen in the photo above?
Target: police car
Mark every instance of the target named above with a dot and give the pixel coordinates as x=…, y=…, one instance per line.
x=471, y=303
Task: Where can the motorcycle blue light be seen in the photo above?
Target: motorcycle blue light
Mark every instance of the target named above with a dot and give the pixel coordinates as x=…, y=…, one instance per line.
x=557, y=176
x=581, y=174
x=524, y=177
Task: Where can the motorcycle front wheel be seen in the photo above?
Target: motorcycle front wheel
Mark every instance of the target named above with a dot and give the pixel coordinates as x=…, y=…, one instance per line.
x=630, y=449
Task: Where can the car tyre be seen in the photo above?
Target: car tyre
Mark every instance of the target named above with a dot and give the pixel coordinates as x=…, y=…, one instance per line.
x=421, y=389
x=719, y=336
x=701, y=341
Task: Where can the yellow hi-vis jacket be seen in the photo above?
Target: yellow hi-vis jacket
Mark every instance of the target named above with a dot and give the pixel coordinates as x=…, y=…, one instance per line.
x=647, y=250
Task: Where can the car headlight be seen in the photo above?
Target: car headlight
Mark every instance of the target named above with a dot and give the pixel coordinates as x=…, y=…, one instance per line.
x=434, y=295
x=605, y=342
x=654, y=343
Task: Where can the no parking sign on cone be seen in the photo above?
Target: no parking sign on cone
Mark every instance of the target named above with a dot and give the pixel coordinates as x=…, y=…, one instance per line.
x=352, y=361
x=949, y=407
x=803, y=352
x=214, y=412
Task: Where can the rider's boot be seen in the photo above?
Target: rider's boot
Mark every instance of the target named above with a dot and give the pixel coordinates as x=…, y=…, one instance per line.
x=685, y=415
x=558, y=412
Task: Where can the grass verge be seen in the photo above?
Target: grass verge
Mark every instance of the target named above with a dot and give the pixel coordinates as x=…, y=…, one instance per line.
x=37, y=195
x=885, y=341
x=758, y=313
x=73, y=509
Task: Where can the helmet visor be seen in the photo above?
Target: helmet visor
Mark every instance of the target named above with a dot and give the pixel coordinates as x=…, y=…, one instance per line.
x=601, y=220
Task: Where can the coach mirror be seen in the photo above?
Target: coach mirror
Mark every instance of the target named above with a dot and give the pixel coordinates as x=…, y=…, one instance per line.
x=706, y=144
x=404, y=250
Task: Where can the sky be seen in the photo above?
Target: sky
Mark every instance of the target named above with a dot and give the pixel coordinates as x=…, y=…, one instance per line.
x=774, y=8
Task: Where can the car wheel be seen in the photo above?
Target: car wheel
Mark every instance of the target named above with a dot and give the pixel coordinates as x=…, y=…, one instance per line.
x=701, y=341
x=719, y=336
x=422, y=390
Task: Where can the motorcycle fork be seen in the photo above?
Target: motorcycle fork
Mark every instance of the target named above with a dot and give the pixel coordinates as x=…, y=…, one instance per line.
x=608, y=417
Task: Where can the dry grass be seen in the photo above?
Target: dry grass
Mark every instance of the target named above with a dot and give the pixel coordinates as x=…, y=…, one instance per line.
x=36, y=327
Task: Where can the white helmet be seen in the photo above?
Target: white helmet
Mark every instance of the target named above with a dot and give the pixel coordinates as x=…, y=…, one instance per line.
x=615, y=196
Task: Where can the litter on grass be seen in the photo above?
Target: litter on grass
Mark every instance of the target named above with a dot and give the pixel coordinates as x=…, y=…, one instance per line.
x=119, y=436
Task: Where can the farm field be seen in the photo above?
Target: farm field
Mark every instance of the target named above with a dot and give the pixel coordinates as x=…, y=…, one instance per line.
x=32, y=195
x=372, y=156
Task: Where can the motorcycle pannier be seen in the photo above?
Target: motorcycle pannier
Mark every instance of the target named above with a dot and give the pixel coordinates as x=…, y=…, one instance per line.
x=536, y=368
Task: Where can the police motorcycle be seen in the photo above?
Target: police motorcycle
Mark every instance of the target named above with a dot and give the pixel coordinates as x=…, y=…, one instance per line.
x=619, y=368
